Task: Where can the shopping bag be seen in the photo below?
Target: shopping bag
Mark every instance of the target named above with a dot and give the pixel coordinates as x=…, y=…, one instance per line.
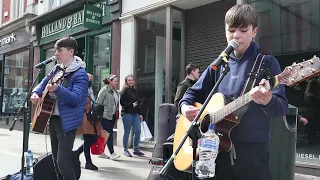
x=98, y=147
x=145, y=132
x=105, y=135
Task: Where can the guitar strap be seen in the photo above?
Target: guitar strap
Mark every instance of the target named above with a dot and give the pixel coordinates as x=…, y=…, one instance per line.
x=251, y=81
x=66, y=79
x=254, y=74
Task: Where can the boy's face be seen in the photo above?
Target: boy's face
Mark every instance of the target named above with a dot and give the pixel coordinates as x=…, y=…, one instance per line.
x=243, y=35
x=64, y=54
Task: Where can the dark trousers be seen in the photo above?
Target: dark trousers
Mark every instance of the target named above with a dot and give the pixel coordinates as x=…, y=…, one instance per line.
x=89, y=139
x=251, y=163
x=61, y=145
x=108, y=124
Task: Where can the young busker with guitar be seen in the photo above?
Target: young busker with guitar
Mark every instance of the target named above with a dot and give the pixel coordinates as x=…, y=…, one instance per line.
x=69, y=108
x=249, y=158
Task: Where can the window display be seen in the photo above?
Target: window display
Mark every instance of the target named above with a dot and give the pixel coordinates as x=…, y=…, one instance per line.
x=15, y=81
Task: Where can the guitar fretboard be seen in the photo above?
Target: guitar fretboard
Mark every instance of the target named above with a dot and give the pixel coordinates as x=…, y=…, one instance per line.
x=231, y=107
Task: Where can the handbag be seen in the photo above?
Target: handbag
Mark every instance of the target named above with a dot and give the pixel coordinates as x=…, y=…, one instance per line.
x=98, y=147
x=96, y=112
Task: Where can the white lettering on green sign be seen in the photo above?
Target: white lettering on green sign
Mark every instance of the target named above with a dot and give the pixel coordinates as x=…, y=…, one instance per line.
x=71, y=21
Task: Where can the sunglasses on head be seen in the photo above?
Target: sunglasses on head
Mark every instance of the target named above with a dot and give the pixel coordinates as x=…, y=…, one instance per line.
x=112, y=77
x=129, y=75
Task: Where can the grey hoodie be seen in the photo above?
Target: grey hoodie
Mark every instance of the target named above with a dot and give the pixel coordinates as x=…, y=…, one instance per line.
x=75, y=65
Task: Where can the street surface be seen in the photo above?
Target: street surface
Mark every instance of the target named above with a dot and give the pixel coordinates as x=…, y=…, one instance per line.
x=135, y=168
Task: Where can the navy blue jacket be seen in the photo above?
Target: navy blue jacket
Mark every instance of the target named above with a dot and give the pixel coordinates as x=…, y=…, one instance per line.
x=254, y=126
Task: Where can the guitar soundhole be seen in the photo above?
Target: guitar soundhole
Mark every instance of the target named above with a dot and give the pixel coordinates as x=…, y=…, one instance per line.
x=205, y=123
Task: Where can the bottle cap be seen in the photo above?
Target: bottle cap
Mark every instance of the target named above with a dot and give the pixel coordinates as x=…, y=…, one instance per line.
x=29, y=151
x=212, y=126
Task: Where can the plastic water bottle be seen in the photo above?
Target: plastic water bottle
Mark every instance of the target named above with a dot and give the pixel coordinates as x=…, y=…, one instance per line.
x=208, y=151
x=29, y=163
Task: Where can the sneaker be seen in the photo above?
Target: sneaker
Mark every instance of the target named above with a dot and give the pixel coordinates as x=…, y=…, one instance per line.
x=114, y=156
x=91, y=166
x=138, y=152
x=104, y=156
x=127, y=153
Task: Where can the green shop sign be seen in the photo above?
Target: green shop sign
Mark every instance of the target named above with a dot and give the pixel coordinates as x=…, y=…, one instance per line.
x=92, y=17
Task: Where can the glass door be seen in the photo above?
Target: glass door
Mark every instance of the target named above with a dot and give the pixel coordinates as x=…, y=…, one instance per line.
x=101, y=59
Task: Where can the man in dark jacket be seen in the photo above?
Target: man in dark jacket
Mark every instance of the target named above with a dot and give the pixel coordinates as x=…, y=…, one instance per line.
x=69, y=108
x=192, y=76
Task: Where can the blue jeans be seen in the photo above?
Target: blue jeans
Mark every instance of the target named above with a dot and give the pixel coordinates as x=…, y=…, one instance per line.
x=130, y=120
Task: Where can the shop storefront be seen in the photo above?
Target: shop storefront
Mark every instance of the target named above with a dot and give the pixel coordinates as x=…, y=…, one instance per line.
x=16, y=59
x=166, y=38
x=95, y=27
x=98, y=40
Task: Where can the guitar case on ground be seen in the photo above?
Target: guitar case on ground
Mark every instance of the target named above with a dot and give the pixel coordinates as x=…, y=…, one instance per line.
x=164, y=145
x=43, y=167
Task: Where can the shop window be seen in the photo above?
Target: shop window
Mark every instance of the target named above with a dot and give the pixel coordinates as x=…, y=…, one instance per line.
x=101, y=60
x=7, y=62
x=49, y=54
x=6, y=70
x=18, y=81
x=19, y=61
x=5, y=82
x=151, y=21
x=289, y=30
x=15, y=80
x=16, y=9
x=150, y=58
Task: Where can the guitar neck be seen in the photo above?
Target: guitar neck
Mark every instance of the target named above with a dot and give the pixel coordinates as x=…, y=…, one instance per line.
x=234, y=105
x=231, y=107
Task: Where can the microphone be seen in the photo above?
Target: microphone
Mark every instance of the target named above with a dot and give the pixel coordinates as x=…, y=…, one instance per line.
x=223, y=57
x=53, y=58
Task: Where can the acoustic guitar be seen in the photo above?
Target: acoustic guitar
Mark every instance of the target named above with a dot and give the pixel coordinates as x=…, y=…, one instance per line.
x=46, y=104
x=222, y=112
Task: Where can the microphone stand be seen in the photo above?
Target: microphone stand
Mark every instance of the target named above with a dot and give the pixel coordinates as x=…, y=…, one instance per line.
x=26, y=125
x=193, y=131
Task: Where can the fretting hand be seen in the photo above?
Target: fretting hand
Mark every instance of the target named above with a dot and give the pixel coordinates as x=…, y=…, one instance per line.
x=52, y=87
x=261, y=95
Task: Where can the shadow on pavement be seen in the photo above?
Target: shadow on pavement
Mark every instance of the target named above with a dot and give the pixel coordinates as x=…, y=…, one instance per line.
x=118, y=173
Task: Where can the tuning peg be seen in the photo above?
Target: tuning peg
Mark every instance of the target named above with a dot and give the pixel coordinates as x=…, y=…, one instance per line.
x=310, y=61
x=302, y=75
x=300, y=66
x=312, y=70
x=294, y=63
x=292, y=80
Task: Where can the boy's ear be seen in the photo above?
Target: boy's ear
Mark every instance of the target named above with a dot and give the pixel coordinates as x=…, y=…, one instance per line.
x=255, y=31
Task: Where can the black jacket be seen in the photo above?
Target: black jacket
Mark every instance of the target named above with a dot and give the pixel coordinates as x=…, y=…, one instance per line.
x=182, y=88
x=127, y=97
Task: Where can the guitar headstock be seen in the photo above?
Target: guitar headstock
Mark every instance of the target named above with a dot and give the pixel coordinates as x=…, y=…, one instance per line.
x=58, y=76
x=297, y=72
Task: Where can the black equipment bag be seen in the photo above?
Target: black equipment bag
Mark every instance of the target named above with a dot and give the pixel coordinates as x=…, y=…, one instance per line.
x=43, y=167
x=96, y=111
x=164, y=145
